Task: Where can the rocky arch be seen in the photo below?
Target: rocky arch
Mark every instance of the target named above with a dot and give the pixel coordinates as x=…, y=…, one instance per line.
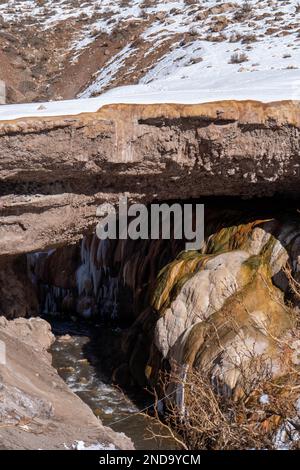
x=55, y=171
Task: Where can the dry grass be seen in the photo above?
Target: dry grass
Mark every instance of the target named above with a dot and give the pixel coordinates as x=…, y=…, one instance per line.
x=213, y=420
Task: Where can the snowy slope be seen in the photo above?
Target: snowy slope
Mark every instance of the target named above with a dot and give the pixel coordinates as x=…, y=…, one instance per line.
x=263, y=39
x=266, y=87
x=185, y=51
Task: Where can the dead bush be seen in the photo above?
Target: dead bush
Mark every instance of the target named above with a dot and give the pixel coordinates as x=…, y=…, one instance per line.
x=260, y=410
x=248, y=38
x=207, y=418
x=243, y=12
x=238, y=58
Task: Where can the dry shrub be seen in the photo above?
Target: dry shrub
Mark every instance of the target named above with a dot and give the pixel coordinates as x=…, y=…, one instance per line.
x=293, y=284
x=248, y=38
x=262, y=410
x=244, y=11
x=190, y=2
x=213, y=420
x=237, y=58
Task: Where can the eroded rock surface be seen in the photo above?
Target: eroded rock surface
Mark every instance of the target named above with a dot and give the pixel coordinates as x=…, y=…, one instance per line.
x=193, y=307
x=54, y=172
x=38, y=410
x=230, y=303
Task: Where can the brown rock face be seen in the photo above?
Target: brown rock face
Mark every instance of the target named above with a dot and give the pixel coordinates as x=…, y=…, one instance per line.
x=38, y=410
x=54, y=172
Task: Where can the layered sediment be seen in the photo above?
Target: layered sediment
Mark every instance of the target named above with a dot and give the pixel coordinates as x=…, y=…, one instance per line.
x=207, y=309
x=55, y=171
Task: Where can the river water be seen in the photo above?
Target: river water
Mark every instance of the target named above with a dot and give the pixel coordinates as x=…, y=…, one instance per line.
x=77, y=363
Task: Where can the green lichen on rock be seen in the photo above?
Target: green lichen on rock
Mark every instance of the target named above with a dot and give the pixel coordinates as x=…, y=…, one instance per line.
x=220, y=302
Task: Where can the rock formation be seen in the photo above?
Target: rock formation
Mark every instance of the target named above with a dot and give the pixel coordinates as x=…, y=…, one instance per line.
x=58, y=170
x=38, y=410
x=214, y=309
x=208, y=308
x=177, y=304
x=220, y=307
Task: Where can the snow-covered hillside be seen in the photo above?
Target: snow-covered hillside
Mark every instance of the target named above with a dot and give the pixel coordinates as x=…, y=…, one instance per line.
x=225, y=40
x=185, y=50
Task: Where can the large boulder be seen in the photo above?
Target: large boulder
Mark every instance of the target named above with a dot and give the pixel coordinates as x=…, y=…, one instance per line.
x=55, y=171
x=226, y=305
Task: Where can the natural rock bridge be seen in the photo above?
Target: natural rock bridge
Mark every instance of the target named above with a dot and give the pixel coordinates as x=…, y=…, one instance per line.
x=193, y=309
x=55, y=171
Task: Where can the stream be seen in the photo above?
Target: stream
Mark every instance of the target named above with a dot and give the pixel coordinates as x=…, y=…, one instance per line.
x=75, y=358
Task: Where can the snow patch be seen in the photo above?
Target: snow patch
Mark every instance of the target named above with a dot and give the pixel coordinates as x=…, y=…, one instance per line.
x=80, y=445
